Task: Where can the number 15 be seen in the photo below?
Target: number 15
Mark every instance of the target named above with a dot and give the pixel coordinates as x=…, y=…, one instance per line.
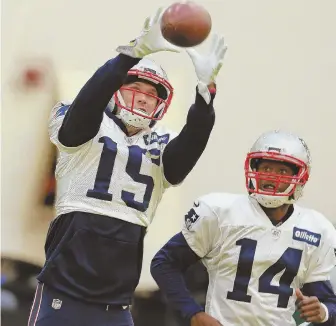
x=104, y=175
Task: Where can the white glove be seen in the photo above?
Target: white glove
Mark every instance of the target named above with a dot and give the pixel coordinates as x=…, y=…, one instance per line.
x=150, y=39
x=207, y=66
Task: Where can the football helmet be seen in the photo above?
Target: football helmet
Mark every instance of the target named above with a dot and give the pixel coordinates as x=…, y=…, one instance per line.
x=148, y=71
x=279, y=146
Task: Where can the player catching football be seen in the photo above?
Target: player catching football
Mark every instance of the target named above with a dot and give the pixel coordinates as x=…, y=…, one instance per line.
x=115, y=162
x=265, y=255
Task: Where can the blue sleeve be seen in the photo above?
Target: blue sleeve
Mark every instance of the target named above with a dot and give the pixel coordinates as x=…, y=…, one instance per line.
x=182, y=153
x=84, y=116
x=167, y=269
x=325, y=293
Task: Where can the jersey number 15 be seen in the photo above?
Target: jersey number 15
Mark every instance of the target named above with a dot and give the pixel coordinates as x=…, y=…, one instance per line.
x=104, y=174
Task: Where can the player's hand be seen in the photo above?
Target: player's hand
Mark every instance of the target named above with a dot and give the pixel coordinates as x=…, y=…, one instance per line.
x=207, y=66
x=311, y=309
x=203, y=319
x=150, y=39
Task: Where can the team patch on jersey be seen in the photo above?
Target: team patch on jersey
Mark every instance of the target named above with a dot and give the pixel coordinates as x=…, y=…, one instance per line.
x=311, y=238
x=190, y=218
x=155, y=138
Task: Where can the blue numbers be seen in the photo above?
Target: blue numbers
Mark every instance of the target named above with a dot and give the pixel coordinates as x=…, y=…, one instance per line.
x=104, y=172
x=244, y=270
x=289, y=262
x=104, y=175
x=133, y=170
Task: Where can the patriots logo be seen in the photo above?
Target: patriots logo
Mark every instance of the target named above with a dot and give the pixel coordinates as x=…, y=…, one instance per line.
x=190, y=218
x=274, y=149
x=152, y=71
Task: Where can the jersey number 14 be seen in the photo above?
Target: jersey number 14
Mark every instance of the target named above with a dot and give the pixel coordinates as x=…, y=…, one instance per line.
x=289, y=262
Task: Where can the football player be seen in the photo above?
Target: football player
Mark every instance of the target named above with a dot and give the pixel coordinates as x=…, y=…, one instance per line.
x=115, y=163
x=264, y=254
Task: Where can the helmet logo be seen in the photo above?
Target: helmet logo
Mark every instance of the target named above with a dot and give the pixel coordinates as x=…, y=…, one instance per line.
x=152, y=71
x=274, y=149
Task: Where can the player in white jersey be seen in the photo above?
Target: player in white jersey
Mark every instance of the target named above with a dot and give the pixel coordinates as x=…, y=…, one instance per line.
x=264, y=253
x=113, y=167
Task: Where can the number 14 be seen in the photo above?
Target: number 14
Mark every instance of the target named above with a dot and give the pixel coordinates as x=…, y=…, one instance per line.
x=289, y=261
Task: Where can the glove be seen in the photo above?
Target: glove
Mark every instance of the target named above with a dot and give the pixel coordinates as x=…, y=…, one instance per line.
x=207, y=66
x=150, y=39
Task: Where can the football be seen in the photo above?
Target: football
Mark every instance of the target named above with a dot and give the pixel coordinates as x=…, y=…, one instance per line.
x=185, y=24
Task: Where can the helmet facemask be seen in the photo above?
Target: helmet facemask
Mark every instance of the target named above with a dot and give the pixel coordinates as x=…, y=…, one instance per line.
x=138, y=117
x=275, y=197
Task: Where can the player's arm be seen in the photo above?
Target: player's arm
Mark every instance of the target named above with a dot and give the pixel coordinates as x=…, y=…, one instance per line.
x=167, y=269
x=84, y=116
x=183, y=250
x=317, y=298
x=182, y=153
x=322, y=296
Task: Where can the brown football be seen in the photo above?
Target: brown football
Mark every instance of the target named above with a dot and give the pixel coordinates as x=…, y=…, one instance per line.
x=186, y=24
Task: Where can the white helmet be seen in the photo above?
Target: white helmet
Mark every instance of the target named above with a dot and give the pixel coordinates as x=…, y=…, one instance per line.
x=284, y=147
x=148, y=71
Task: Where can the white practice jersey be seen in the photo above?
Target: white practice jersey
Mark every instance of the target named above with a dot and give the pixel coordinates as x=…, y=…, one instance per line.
x=253, y=265
x=112, y=174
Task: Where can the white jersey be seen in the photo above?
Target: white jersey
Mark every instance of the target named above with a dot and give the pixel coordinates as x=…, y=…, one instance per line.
x=112, y=174
x=254, y=266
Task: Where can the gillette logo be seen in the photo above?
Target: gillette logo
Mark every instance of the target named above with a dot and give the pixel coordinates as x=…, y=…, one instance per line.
x=306, y=236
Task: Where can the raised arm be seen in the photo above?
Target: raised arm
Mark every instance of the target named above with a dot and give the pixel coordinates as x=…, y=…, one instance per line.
x=84, y=116
x=182, y=153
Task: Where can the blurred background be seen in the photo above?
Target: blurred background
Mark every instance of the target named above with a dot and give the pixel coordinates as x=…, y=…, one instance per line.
x=279, y=72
